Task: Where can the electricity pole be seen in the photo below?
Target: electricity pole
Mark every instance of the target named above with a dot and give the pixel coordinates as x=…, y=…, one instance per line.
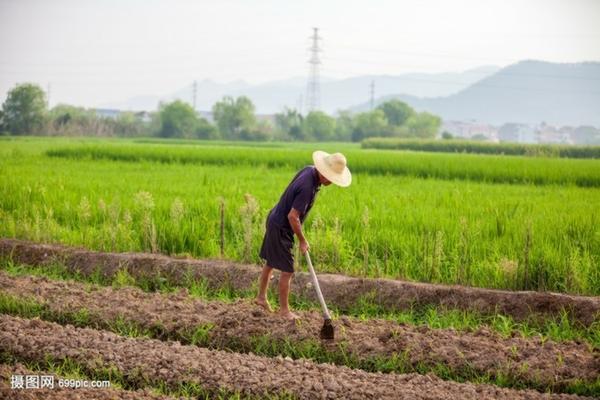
x=48, y=95
x=194, y=91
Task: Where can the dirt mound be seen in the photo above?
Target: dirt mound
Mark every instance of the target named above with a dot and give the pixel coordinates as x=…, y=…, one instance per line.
x=58, y=393
x=172, y=363
x=341, y=291
x=234, y=325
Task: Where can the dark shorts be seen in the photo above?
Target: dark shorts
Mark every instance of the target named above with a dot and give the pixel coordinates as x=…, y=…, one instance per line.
x=277, y=248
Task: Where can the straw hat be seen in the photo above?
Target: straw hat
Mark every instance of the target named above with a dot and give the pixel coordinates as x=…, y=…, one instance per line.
x=333, y=167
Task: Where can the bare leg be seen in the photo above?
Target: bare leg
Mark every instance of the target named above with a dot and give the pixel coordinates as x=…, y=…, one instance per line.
x=284, y=294
x=265, y=278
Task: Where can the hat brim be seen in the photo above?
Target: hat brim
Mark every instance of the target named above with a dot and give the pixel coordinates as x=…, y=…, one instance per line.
x=343, y=179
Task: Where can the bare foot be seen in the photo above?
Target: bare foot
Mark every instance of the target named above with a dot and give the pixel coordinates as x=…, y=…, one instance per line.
x=288, y=315
x=264, y=304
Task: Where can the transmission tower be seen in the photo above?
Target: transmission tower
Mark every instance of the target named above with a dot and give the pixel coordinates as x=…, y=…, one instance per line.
x=194, y=93
x=372, y=95
x=313, y=90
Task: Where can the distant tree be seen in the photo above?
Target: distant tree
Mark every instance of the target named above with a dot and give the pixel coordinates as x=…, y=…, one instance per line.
x=369, y=124
x=2, y=128
x=68, y=120
x=396, y=112
x=129, y=124
x=262, y=131
x=447, y=135
x=289, y=124
x=423, y=125
x=479, y=137
x=177, y=120
x=235, y=118
x=206, y=130
x=25, y=108
x=344, y=124
x=319, y=126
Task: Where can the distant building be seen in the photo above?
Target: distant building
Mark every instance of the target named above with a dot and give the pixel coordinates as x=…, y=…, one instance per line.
x=550, y=134
x=517, y=133
x=144, y=116
x=111, y=113
x=469, y=129
x=107, y=112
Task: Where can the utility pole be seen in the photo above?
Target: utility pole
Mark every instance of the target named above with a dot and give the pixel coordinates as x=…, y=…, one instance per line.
x=313, y=90
x=195, y=92
x=372, y=95
x=48, y=95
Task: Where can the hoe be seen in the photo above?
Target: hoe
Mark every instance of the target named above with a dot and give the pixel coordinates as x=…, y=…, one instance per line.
x=327, y=331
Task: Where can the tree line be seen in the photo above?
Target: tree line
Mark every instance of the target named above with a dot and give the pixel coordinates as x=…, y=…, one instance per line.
x=25, y=112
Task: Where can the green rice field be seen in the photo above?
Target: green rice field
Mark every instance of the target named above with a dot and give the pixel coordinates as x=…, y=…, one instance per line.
x=483, y=220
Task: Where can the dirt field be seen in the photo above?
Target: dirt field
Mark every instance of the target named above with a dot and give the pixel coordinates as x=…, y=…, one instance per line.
x=174, y=363
x=341, y=291
x=234, y=325
x=222, y=359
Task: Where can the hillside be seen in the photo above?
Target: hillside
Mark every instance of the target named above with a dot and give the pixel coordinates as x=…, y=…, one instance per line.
x=526, y=92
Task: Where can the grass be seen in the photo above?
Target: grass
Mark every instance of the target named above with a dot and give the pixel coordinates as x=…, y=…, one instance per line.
x=389, y=223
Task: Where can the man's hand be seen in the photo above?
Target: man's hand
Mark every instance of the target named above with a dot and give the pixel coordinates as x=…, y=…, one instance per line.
x=304, y=246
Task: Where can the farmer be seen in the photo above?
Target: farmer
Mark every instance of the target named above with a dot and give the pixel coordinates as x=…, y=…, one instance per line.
x=286, y=218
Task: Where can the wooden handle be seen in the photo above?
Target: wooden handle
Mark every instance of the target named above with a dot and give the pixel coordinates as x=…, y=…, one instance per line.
x=315, y=281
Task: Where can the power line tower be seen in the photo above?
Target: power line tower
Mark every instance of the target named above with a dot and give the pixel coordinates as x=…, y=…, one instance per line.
x=194, y=94
x=313, y=90
x=372, y=95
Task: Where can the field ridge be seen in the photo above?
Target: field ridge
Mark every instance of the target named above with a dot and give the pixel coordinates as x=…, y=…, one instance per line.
x=341, y=291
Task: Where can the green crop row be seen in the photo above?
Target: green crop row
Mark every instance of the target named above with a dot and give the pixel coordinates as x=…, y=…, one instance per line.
x=467, y=146
x=481, y=168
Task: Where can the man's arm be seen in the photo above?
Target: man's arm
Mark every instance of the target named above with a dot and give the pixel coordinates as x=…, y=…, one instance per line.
x=294, y=218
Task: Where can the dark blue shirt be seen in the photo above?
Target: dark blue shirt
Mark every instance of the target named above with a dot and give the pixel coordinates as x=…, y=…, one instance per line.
x=300, y=194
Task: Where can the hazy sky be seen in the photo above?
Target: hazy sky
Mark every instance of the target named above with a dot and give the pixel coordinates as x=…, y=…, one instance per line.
x=92, y=52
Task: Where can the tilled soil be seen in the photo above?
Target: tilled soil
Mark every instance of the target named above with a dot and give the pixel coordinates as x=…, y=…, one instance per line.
x=340, y=290
x=58, y=393
x=233, y=326
x=172, y=363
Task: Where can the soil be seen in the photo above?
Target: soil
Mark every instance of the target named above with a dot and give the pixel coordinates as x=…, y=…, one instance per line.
x=58, y=393
x=339, y=290
x=532, y=360
x=173, y=363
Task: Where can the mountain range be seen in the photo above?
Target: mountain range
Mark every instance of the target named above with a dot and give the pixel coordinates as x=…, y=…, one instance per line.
x=272, y=97
x=527, y=92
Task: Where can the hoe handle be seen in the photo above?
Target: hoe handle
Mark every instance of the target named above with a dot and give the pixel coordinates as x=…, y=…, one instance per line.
x=315, y=281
